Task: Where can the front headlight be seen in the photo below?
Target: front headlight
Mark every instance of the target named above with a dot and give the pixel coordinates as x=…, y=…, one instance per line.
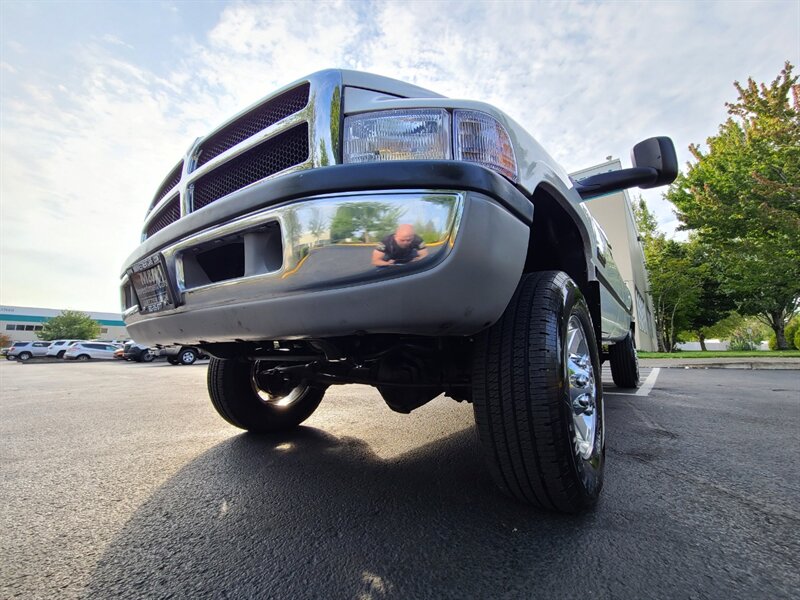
x=419, y=134
x=425, y=134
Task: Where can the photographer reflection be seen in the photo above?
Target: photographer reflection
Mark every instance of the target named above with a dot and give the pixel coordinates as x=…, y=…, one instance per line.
x=401, y=247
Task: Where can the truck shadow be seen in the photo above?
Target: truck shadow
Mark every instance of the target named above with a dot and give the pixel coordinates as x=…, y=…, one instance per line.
x=314, y=516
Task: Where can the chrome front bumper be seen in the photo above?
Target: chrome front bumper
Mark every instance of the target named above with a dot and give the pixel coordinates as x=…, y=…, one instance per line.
x=304, y=269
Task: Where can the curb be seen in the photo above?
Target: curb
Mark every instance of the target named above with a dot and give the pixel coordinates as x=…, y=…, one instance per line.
x=743, y=365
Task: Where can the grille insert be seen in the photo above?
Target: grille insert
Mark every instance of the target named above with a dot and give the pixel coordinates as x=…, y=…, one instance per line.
x=166, y=216
x=256, y=120
x=276, y=154
x=170, y=182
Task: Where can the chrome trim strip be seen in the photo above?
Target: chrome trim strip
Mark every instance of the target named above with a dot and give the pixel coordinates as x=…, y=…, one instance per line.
x=262, y=136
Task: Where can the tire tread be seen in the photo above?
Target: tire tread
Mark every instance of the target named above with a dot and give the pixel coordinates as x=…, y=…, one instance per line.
x=518, y=417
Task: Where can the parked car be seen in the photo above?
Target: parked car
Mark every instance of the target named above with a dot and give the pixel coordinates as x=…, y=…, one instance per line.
x=89, y=350
x=505, y=295
x=183, y=355
x=138, y=352
x=59, y=347
x=26, y=350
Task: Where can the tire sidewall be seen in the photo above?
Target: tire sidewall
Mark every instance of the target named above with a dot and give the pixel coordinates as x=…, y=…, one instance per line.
x=589, y=471
x=233, y=395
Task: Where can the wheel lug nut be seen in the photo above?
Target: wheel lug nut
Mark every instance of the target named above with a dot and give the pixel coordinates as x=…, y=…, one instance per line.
x=580, y=380
x=582, y=405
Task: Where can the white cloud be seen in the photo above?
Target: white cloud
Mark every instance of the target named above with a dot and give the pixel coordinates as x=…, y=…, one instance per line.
x=16, y=46
x=84, y=150
x=110, y=38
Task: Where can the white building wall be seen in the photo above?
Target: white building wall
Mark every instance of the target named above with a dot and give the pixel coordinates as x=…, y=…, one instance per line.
x=21, y=323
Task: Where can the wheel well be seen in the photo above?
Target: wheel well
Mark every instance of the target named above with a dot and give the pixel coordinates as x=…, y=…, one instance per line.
x=558, y=244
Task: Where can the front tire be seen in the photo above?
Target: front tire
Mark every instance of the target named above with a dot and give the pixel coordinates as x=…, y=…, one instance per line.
x=537, y=396
x=25, y=356
x=146, y=356
x=624, y=363
x=83, y=357
x=246, y=401
x=188, y=357
x=61, y=354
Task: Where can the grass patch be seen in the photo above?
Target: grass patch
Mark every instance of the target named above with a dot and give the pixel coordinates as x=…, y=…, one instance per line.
x=723, y=354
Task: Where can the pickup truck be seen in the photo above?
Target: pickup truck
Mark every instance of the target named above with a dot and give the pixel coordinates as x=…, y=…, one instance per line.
x=351, y=228
x=182, y=355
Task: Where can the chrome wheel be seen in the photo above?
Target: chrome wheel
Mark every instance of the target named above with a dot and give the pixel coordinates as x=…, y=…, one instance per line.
x=582, y=388
x=275, y=390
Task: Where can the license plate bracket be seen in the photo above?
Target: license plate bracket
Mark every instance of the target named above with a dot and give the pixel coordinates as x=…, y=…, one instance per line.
x=151, y=283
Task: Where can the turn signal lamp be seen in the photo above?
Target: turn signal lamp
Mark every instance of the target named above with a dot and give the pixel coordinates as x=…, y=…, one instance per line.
x=481, y=139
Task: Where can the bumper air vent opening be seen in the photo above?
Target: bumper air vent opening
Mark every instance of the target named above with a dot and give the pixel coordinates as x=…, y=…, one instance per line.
x=255, y=252
x=129, y=299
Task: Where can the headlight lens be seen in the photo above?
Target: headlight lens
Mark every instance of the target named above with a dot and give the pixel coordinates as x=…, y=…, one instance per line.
x=425, y=134
x=418, y=134
x=481, y=139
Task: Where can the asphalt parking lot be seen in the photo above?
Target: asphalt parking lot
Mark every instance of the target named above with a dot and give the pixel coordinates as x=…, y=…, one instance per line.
x=119, y=480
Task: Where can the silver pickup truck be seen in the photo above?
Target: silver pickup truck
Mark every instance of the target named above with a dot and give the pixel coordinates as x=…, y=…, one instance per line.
x=351, y=228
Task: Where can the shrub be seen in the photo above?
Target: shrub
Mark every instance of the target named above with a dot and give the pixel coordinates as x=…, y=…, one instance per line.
x=745, y=339
x=797, y=339
x=790, y=333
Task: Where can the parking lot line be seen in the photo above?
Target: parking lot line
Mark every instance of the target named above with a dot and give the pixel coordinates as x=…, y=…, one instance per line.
x=647, y=386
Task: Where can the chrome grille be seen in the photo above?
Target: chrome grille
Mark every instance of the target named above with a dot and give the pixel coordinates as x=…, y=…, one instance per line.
x=167, y=215
x=276, y=154
x=169, y=182
x=257, y=120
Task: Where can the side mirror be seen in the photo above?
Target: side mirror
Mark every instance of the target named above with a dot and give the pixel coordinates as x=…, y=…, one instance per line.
x=657, y=153
x=654, y=164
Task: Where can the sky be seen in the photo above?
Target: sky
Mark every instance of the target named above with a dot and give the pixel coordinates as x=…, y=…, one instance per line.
x=99, y=100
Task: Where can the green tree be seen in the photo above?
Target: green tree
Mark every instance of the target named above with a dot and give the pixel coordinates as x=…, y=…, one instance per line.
x=713, y=303
x=365, y=221
x=675, y=283
x=70, y=324
x=741, y=197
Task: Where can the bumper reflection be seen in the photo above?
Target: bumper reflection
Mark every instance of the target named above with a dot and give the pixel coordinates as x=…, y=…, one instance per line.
x=330, y=241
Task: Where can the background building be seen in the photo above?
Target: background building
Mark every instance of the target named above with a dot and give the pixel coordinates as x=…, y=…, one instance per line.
x=21, y=323
x=614, y=213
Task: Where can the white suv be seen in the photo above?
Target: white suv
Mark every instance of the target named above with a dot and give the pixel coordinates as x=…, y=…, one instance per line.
x=59, y=347
x=87, y=350
x=26, y=350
